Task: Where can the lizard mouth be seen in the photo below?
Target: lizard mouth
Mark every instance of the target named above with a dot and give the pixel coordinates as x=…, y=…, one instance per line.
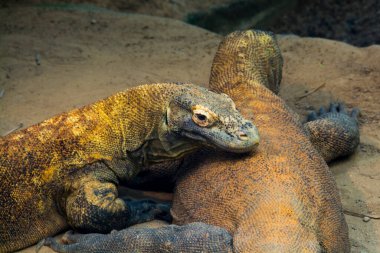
x=243, y=143
x=195, y=137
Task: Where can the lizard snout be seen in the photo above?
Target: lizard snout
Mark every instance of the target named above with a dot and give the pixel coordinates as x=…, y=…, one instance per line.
x=247, y=138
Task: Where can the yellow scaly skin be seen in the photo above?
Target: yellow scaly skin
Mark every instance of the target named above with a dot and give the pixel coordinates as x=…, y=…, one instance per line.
x=64, y=171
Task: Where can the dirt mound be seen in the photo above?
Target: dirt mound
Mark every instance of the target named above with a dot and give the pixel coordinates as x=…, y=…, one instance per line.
x=52, y=61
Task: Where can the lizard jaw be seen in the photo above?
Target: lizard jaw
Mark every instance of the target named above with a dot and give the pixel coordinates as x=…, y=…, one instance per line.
x=244, y=141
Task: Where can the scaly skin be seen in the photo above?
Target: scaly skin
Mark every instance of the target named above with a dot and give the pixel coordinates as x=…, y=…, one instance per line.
x=284, y=197
x=194, y=237
x=334, y=133
x=281, y=198
x=64, y=171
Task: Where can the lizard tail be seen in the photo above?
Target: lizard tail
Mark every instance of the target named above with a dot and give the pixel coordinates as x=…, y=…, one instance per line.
x=194, y=237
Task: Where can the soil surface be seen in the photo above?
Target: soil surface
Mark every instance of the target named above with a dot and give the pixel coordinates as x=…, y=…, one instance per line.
x=55, y=60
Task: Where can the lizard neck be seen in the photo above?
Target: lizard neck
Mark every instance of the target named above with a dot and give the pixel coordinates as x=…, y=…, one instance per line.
x=162, y=145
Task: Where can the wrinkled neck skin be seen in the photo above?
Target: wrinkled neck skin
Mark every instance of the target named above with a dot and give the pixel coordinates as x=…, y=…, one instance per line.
x=162, y=145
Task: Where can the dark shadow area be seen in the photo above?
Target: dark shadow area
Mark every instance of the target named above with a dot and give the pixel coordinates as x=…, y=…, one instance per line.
x=354, y=22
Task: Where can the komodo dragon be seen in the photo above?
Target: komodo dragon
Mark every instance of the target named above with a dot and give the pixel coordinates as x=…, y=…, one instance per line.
x=281, y=198
x=65, y=170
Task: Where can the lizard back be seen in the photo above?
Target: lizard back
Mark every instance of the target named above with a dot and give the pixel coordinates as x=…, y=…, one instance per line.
x=282, y=197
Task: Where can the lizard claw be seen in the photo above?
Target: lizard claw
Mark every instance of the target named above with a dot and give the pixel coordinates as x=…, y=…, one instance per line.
x=342, y=108
x=322, y=111
x=312, y=116
x=44, y=242
x=68, y=237
x=334, y=108
x=40, y=245
x=355, y=113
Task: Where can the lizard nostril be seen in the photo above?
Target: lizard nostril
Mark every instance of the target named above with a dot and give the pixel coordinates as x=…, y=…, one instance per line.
x=242, y=136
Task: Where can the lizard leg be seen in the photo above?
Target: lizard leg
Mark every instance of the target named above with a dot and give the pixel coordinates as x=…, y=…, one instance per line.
x=194, y=237
x=333, y=132
x=95, y=207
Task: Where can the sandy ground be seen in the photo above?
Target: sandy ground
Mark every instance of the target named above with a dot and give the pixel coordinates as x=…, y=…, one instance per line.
x=53, y=61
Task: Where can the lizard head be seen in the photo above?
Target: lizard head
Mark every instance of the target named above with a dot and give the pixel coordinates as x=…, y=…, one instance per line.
x=211, y=119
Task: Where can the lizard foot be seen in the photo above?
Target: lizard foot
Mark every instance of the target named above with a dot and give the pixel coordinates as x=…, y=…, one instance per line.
x=333, y=132
x=51, y=243
x=147, y=210
x=70, y=243
x=334, y=109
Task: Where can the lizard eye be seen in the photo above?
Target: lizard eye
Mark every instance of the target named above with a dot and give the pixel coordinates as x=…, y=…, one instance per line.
x=200, y=119
x=202, y=116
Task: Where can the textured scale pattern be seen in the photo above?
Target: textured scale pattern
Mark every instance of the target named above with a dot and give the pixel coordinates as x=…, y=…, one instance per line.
x=281, y=198
x=334, y=133
x=64, y=170
x=194, y=237
x=242, y=64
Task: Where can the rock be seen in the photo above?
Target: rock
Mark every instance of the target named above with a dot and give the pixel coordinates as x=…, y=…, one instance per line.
x=366, y=219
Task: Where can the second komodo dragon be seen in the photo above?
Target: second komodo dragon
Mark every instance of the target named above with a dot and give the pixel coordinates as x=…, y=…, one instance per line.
x=65, y=170
x=281, y=198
